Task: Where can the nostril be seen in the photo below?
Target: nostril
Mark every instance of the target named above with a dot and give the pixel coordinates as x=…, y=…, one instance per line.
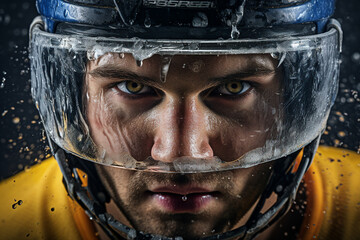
x=164, y=149
x=207, y=149
x=201, y=150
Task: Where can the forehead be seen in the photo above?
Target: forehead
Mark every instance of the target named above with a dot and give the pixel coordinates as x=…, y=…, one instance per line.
x=213, y=65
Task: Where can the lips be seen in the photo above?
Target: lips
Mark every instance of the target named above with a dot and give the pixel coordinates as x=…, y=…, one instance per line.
x=182, y=199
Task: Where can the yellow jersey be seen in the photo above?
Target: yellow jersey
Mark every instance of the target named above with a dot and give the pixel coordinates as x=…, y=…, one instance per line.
x=35, y=205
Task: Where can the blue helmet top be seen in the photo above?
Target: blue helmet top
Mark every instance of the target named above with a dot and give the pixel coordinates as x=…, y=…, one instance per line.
x=209, y=19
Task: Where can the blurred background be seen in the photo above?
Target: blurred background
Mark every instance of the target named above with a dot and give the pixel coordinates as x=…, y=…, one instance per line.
x=22, y=138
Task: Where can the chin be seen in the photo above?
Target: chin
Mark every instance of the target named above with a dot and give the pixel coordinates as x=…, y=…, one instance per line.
x=188, y=226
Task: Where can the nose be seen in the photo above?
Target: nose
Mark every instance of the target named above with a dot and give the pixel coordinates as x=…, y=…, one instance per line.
x=182, y=130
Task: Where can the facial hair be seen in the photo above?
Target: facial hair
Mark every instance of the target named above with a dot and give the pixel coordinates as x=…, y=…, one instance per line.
x=129, y=190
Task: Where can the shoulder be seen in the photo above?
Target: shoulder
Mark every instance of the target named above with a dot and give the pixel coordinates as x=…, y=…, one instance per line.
x=339, y=170
x=34, y=204
x=46, y=170
x=336, y=175
x=326, y=154
x=337, y=166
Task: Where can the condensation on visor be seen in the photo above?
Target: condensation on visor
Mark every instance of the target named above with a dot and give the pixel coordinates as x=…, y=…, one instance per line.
x=284, y=116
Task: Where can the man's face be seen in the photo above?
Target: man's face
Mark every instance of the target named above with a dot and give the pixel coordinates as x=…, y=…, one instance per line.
x=208, y=106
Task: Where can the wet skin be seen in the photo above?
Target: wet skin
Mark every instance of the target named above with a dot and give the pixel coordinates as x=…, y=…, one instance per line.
x=208, y=106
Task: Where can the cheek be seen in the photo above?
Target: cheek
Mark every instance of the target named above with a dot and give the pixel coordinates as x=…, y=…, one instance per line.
x=118, y=183
x=255, y=110
x=251, y=182
x=231, y=140
x=118, y=135
x=121, y=181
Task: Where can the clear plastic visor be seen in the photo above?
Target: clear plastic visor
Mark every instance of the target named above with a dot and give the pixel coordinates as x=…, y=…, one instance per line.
x=183, y=106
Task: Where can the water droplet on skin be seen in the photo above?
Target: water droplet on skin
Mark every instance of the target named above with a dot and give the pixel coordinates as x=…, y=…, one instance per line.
x=184, y=198
x=165, y=64
x=197, y=66
x=139, y=63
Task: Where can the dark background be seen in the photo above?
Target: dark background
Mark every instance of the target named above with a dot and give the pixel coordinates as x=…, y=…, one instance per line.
x=22, y=139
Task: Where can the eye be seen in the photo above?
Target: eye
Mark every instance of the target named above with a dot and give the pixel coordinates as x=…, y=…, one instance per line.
x=233, y=88
x=131, y=87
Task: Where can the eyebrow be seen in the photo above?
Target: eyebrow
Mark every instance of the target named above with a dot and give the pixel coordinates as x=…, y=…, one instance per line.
x=243, y=74
x=111, y=72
